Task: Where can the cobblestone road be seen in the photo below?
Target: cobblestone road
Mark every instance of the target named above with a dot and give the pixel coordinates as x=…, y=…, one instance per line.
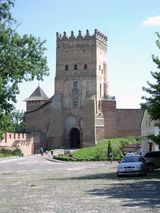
x=34, y=184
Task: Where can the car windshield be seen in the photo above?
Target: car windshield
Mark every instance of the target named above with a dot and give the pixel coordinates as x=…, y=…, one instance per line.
x=127, y=159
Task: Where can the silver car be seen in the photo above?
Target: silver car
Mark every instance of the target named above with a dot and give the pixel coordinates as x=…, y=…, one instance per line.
x=132, y=165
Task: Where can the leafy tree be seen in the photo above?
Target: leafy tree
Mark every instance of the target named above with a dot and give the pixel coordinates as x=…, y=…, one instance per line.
x=21, y=59
x=152, y=104
x=17, y=121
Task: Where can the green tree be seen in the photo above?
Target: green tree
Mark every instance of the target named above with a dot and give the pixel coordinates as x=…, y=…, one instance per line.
x=152, y=104
x=17, y=121
x=22, y=58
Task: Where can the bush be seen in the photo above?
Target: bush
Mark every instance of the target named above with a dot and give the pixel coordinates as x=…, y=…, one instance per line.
x=17, y=152
x=63, y=158
x=8, y=152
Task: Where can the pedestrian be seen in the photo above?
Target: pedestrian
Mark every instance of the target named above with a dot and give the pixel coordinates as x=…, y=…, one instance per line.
x=41, y=150
x=111, y=157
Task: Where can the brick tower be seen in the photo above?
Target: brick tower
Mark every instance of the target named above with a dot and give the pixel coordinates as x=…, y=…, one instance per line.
x=80, y=85
x=80, y=112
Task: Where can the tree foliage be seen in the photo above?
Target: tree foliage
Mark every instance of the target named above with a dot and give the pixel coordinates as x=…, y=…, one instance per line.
x=152, y=104
x=17, y=121
x=21, y=59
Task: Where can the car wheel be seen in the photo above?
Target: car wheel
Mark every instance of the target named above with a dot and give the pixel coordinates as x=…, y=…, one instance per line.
x=118, y=175
x=150, y=167
x=143, y=173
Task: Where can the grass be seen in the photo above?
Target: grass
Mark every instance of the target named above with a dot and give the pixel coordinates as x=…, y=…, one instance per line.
x=99, y=152
x=5, y=155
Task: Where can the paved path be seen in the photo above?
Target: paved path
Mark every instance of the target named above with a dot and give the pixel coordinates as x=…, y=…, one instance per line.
x=36, y=185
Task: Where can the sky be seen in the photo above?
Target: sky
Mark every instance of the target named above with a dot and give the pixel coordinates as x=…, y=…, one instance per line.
x=129, y=25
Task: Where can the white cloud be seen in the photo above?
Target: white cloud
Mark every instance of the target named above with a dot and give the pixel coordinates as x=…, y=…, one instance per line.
x=152, y=21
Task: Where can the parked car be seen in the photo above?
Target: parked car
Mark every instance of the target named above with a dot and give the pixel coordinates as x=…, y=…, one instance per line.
x=152, y=160
x=132, y=165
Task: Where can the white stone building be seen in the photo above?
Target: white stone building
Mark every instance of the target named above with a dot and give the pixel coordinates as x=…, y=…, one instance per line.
x=149, y=127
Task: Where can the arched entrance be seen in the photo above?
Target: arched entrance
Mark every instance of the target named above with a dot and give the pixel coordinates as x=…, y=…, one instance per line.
x=74, y=138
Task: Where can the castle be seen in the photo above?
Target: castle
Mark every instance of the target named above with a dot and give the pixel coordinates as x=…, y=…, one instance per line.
x=81, y=110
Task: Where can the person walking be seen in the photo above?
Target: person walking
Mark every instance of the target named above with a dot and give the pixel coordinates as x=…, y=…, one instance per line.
x=111, y=157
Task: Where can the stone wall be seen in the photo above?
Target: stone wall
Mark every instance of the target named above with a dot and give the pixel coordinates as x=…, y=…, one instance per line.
x=39, y=121
x=55, y=133
x=121, y=122
x=109, y=112
x=89, y=130
x=26, y=142
x=128, y=122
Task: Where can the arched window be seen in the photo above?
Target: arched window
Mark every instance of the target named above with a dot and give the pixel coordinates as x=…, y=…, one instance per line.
x=66, y=67
x=85, y=66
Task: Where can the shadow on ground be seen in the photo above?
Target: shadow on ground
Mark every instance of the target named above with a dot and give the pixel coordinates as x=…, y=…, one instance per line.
x=135, y=191
x=137, y=194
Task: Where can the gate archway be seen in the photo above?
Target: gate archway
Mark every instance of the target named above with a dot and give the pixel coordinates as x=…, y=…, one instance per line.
x=74, y=138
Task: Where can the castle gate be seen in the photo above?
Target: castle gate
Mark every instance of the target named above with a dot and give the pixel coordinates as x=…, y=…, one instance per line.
x=74, y=138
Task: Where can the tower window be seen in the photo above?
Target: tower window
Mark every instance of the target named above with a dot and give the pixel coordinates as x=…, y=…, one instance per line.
x=99, y=67
x=66, y=67
x=100, y=90
x=75, y=84
x=75, y=67
x=85, y=66
x=75, y=104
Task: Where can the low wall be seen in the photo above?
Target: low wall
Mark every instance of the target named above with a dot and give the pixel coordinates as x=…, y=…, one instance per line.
x=24, y=141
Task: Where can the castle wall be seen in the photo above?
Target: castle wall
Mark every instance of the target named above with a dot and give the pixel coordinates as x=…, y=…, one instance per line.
x=39, y=121
x=55, y=133
x=89, y=130
x=99, y=133
x=28, y=143
x=128, y=122
x=121, y=122
x=32, y=105
x=109, y=113
x=102, y=77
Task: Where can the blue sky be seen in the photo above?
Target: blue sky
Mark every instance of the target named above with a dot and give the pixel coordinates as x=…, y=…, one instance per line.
x=129, y=25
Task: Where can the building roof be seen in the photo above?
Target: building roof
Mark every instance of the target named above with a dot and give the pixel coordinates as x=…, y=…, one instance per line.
x=37, y=95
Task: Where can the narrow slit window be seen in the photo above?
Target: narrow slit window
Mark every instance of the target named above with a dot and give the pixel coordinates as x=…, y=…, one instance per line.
x=85, y=66
x=75, y=67
x=75, y=104
x=66, y=67
x=75, y=84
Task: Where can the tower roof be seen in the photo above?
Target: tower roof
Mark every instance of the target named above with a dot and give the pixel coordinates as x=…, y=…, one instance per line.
x=37, y=95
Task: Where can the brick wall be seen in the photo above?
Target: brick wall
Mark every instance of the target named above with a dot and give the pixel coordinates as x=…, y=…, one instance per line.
x=26, y=142
x=121, y=122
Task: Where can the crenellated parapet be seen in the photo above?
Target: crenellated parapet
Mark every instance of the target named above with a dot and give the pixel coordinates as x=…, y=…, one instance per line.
x=72, y=37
